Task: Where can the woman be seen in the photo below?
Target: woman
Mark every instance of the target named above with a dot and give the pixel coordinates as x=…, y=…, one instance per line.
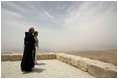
x=36, y=45
x=27, y=62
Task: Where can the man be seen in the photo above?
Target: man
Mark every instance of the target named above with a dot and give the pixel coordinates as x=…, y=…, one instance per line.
x=28, y=59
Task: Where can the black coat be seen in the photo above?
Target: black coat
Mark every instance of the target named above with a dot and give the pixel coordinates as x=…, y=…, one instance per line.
x=28, y=58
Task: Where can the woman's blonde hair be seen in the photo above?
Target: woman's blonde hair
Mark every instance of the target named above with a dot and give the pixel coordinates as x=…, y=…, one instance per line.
x=36, y=32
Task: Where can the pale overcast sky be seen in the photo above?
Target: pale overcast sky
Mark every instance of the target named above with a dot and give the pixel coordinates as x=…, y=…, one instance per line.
x=62, y=26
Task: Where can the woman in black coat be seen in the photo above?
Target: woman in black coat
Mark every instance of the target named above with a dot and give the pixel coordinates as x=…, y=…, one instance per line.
x=28, y=59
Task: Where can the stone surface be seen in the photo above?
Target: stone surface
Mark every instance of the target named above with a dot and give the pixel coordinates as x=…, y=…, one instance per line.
x=83, y=65
x=75, y=61
x=67, y=59
x=110, y=73
x=42, y=56
x=60, y=56
x=44, y=69
x=5, y=57
x=46, y=56
x=96, y=71
x=18, y=57
x=93, y=67
x=15, y=57
x=51, y=56
x=102, y=70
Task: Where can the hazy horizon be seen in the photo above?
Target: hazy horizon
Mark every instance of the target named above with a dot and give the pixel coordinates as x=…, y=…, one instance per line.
x=62, y=26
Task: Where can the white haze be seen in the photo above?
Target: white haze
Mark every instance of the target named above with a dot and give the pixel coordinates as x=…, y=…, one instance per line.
x=73, y=27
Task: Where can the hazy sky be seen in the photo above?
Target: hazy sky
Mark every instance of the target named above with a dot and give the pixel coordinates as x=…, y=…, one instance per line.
x=61, y=25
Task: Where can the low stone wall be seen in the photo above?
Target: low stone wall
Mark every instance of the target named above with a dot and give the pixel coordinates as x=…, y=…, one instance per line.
x=94, y=67
x=18, y=56
x=46, y=56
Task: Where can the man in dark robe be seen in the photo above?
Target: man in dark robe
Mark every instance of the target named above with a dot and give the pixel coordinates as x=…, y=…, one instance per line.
x=28, y=59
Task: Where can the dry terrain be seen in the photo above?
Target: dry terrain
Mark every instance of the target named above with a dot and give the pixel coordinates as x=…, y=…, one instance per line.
x=109, y=56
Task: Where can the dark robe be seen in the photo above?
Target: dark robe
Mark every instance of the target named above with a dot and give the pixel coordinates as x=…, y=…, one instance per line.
x=28, y=59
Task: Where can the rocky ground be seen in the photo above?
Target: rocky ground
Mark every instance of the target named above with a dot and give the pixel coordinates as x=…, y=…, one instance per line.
x=44, y=69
